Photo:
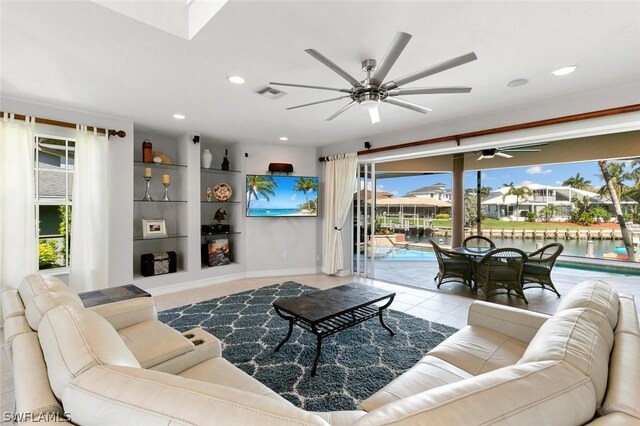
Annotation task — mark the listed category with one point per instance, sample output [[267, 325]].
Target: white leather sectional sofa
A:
[[116, 364]]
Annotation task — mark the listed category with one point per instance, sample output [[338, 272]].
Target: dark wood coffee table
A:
[[327, 312]]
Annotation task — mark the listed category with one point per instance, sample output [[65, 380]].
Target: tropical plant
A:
[[578, 182], [442, 216], [531, 217], [580, 206], [470, 210], [305, 185], [519, 192], [611, 182], [263, 185], [47, 254], [601, 212], [548, 212]]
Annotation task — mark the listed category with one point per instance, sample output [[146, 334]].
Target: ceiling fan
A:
[[504, 152], [371, 91]]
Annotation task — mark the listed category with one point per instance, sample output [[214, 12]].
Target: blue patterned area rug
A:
[[354, 364]]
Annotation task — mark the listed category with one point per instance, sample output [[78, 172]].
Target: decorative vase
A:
[[207, 156], [147, 151], [225, 162]]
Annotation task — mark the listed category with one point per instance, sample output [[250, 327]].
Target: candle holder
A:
[[147, 195], [166, 192]]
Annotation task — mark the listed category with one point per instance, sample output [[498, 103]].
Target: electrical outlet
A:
[[284, 253]]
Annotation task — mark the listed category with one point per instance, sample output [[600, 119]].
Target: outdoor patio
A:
[[421, 273]]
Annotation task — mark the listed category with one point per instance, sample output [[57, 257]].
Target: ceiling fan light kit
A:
[[371, 91]]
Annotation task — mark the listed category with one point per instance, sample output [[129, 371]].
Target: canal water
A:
[[571, 247]]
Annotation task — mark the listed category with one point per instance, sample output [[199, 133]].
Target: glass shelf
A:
[[159, 165], [219, 202], [159, 201], [168, 237], [205, 267], [212, 170], [221, 233]]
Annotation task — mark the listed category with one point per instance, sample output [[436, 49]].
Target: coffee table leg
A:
[[382, 308], [318, 349], [288, 335]]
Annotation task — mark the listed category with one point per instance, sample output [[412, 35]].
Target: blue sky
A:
[[286, 197], [553, 174]]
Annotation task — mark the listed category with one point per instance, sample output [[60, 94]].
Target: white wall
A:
[[267, 238], [120, 177]]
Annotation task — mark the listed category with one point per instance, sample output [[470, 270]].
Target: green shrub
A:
[[443, 216], [47, 255], [531, 217]]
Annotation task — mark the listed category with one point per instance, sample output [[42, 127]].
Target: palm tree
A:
[[305, 185], [519, 192], [549, 211], [611, 186], [262, 185], [577, 182]]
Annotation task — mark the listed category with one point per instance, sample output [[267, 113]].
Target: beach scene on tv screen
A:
[[269, 196]]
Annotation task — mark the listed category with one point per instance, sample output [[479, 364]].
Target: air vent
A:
[[270, 92]]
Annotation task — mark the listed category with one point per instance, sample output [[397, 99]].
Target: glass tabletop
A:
[[472, 251]]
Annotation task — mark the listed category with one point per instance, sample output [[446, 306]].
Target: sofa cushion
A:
[[582, 337], [11, 303], [34, 284], [430, 372], [340, 418], [44, 302], [478, 350], [594, 294], [32, 390], [15, 326], [514, 395], [627, 316], [623, 389], [153, 342], [74, 339], [615, 419], [219, 371], [115, 395]]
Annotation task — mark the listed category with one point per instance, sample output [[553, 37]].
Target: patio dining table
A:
[[472, 252]]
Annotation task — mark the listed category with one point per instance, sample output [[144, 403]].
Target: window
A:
[[53, 177]]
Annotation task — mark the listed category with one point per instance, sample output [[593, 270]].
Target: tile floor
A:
[[446, 306]]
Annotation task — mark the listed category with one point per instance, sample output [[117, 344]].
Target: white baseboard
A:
[[282, 272], [174, 288]]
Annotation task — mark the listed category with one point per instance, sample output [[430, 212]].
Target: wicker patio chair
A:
[[536, 272], [452, 267], [478, 241], [500, 271]]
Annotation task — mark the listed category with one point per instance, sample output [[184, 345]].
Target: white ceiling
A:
[[80, 55]]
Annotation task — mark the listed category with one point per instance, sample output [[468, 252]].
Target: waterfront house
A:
[[499, 205], [438, 191]]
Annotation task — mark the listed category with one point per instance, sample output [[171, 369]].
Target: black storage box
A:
[[158, 263], [216, 228]]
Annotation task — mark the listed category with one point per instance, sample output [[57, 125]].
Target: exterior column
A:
[[457, 201]]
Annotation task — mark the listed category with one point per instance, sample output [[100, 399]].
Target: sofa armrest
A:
[[11, 303], [513, 322], [128, 312]]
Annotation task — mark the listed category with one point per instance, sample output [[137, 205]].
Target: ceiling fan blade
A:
[[503, 155], [521, 150], [428, 91], [451, 63], [374, 114], [326, 61], [480, 158], [406, 104], [397, 46], [305, 86], [341, 110], [318, 102]]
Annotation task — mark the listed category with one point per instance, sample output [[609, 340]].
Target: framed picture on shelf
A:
[[216, 252], [154, 228]]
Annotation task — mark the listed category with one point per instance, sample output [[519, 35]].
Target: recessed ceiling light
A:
[[517, 82], [284, 138], [179, 116], [235, 79], [565, 70]]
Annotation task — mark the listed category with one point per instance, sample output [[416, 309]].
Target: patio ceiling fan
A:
[[369, 92], [504, 152]]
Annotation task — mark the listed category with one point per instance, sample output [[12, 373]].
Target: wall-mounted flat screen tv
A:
[[282, 196]]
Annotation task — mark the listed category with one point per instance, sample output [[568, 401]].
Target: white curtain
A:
[[18, 252], [90, 217], [340, 179]]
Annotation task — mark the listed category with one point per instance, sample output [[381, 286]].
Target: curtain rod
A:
[[118, 133], [504, 129]]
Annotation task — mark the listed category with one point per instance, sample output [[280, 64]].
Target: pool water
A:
[[393, 254]]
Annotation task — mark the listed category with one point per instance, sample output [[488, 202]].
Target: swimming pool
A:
[[395, 254]]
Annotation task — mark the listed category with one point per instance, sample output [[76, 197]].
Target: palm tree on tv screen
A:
[[305, 185], [263, 185]]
